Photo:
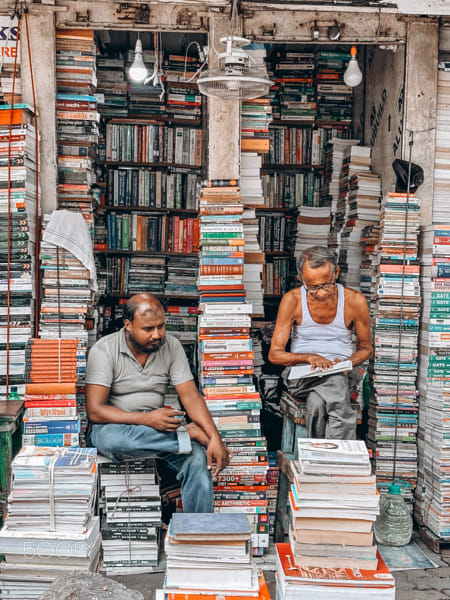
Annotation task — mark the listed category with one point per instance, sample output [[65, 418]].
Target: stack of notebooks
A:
[[112, 88], [77, 120], [393, 406], [51, 417], [50, 529], [208, 555], [434, 379], [17, 237], [334, 97], [333, 504], [130, 505]]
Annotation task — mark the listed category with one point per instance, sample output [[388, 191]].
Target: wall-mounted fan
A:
[[234, 79]]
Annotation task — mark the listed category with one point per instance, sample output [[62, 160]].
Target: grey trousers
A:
[[329, 413]]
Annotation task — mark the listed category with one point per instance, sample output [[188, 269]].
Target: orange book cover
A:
[[229, 356], [139, 232], [50, 388], [221, 269]]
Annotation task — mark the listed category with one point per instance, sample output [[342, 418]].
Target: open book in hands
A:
[[305, 370]]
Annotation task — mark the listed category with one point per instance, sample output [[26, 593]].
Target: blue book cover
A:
[[56, 439], [214, 526]]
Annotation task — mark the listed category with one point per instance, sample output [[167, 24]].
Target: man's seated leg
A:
[[316, 415], [195, 478], [341, 416], [119, 442]]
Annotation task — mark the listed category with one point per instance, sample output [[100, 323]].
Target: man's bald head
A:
[[142, 304]]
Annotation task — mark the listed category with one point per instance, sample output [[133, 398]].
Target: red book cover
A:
[[176, 233]]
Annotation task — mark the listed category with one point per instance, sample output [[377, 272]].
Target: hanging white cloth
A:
[[69, 230]]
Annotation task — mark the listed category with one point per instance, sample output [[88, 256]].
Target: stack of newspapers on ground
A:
[[50, 528], [210, 555], [333, 503], [130, 515]]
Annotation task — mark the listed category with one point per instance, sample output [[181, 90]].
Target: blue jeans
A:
[[120, 442]]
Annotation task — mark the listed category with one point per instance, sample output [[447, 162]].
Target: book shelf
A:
[[146, 236]]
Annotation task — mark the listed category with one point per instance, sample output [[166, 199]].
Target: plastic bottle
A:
[[13, 394], [393, 526]]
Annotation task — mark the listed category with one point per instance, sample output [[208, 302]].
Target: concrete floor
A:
[[416, 584]]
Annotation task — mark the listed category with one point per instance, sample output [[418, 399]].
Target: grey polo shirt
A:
[[134, 387]]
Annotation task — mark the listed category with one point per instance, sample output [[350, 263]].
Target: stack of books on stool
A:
[[210, 555], [333, 503], [130, 504]]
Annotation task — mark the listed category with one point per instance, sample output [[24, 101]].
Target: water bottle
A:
[[13, 394], [393, 526]]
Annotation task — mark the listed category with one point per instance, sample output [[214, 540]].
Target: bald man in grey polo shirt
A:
[[126, 381]]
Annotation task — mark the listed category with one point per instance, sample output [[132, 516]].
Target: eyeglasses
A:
[[313, 289]]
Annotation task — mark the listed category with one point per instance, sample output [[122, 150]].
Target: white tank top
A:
[[332, 340]]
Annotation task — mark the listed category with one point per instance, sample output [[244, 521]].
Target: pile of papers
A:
[[50, 528]]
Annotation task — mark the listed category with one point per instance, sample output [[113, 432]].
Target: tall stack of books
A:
[[51, 507], [434, 380], [130, 505], [77, 120], [226, 360], [334, 157], [112, 88], [441, 183], [50, 417], [17, 242], [210, 555], [334, 98], [364, 198], [393, 407], [334, 502]]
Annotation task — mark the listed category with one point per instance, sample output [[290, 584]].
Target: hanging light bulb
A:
[[353, 75], [138, 71]]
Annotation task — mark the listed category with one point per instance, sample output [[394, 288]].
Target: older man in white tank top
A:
[[318, 318]]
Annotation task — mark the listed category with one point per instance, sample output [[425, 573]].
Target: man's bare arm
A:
[[361, 321], [197, 410], [99, 411], [277, 353]]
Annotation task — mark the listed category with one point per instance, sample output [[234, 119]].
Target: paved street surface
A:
[[416, 584]]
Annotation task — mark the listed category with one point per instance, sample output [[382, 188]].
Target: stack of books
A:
[[434, 379], [226, 378], [130, 506], [370, 236], [50, 528], [255, 118], [210, 554], [181, 276], [51, 417], [393, 407], [313, 226], [254, 261], [333, 481], [364, 210], [112, 88], [295, 86], [182, 322], [325, 582], [17, 242], [334, 98], [77, 120], [441, 183], [183, 100], [335, 152], [273, 476], [333, 503], [144, 99]]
